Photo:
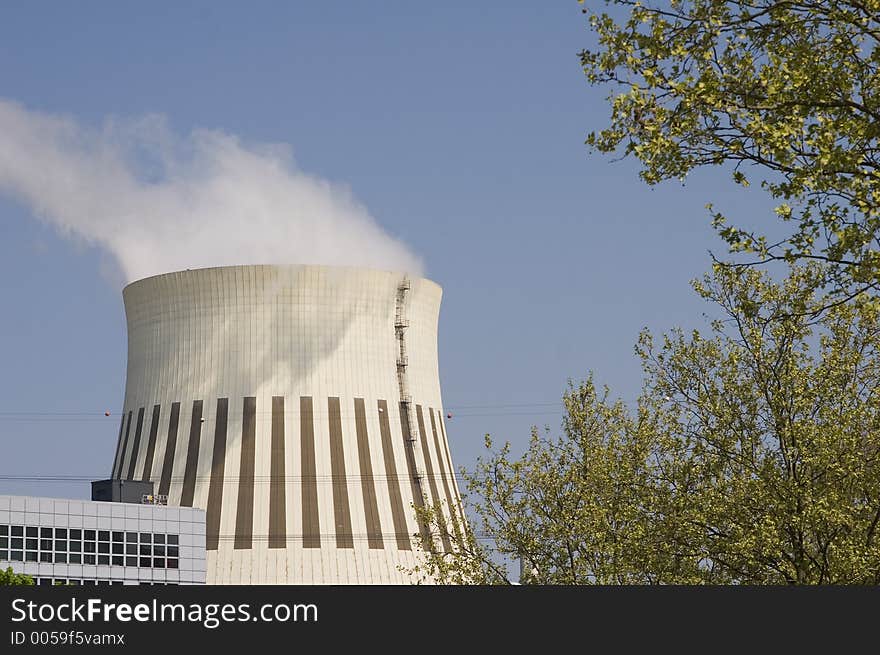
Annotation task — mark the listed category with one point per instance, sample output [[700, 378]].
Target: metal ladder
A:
[[401, 323]]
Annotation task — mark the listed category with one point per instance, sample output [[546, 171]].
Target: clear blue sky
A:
[[460, 125]]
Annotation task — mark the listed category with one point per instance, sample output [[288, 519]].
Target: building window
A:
[[77, 546]]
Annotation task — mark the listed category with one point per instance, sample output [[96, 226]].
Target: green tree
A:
[[572, 508], [10, 577], [751, 456], [786, 92]]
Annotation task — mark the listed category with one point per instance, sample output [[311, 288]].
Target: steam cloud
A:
[[158, 203]]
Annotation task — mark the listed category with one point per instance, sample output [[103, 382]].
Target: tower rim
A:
[[286, 267]]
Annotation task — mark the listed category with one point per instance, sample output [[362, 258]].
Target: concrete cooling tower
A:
[[300, 407]]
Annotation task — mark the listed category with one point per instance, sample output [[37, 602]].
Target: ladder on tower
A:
[[401, 323]]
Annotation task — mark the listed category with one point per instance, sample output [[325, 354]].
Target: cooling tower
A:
[[300, 407]]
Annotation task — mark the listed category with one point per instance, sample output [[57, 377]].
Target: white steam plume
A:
[[160, 203]]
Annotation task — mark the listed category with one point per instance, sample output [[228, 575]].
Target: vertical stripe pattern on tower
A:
[[341, 510], [277, 505], [151, 445], [311, 523], [432, 481], [218, 469], [397, 516], [375, 491], [118, 472], [170, 447], [454, 484], [415, 483], [450, 507], [368, 485], [192, 455], [136, 445], [244, 516]]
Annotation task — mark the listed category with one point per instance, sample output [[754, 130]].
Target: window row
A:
[[59, 546], [77, 558], [74, 581], [88, 535]]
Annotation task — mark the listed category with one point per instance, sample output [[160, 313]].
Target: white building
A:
[[300, 406], [84, 542]]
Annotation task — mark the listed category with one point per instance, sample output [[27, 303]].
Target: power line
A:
[[42, 413], [54, 418], [101, 413], [539, 404]]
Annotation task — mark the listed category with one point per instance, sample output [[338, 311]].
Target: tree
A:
[[10, 577], [751, 456], [783, 91], [571, 508]]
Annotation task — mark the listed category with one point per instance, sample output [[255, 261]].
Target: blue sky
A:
[[459, 125]]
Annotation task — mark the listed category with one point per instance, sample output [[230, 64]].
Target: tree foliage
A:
[[785, 91], [752, 456], [10, 577]]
